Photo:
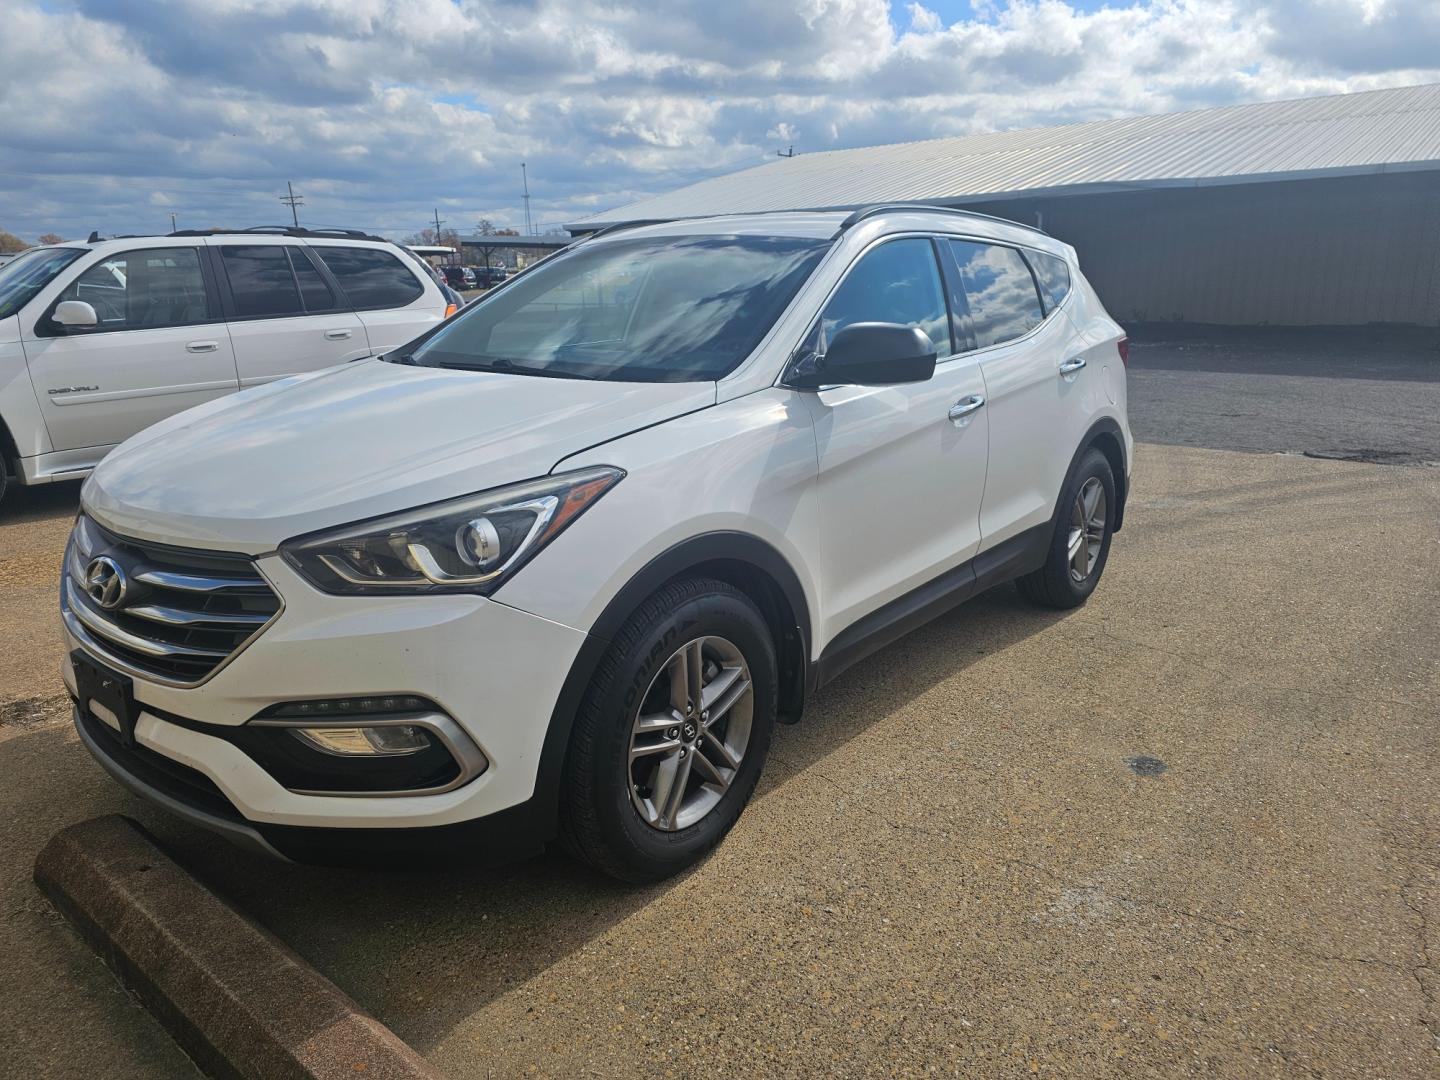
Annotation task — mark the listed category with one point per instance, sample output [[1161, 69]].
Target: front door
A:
[[901, 468], [160, 346]]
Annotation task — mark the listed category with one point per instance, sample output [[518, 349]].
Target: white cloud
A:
[[922, 19], [381, 111]]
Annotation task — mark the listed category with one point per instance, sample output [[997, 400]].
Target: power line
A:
[[292, 200]]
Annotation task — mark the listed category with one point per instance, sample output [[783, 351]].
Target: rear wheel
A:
[[1080, 544], [672, 734]]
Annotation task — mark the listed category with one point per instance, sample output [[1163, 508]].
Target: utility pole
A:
[[173, 226], [525, 179], [786, 153], [292, 200], [438, 222]]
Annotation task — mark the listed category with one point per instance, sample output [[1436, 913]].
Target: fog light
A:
[[391, 740]]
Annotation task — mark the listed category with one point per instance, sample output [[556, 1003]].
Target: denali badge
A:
[[105, 582]]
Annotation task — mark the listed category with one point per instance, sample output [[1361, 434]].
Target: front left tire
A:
[[671, 736]]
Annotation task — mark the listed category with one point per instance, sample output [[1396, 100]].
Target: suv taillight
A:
[[1124, 346]]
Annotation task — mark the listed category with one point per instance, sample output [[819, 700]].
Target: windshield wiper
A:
[[506, 366]]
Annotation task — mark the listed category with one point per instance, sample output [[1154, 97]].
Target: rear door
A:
[[1030, 397], [284, 312], [394, 304], [160, 346]]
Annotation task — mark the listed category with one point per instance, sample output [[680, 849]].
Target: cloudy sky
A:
[[114, 113]]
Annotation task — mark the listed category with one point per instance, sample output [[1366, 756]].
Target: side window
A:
[[1053, 276], [261, 280], [897, 282], [145, 290], [1000, 291], [371, 278], [314, 292]]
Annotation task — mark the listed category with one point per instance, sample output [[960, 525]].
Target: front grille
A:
[[181, 613]]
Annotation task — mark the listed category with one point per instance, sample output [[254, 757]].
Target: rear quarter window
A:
[[1053, 276], [371, 278]]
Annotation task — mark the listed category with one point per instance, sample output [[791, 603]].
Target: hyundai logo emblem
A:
[[105, 582]]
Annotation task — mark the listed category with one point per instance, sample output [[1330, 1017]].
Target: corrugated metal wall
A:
[[1342, 251]]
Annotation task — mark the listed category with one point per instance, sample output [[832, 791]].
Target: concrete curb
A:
[[240, 1002]]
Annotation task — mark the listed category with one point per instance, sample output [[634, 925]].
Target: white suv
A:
[[100, 340], [558, 567]]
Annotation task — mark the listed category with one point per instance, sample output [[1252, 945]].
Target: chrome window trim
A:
[[971, 354]]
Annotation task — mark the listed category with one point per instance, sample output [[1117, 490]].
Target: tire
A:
[[614, 811], [1058, 584]]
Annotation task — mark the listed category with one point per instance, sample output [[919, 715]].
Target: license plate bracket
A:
[[110, 690]]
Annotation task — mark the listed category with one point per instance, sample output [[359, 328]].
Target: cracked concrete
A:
[[951, 868]]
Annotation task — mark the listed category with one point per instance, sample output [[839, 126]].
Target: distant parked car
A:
[[458, 277], [101, 339], [487, 277]]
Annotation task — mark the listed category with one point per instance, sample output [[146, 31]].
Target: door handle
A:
[[202, 346], [966, 405], [337, 335], [1074, 364]]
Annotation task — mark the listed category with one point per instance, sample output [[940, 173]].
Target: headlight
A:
[[470, 544]]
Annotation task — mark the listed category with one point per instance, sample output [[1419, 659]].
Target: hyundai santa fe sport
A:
[[557, 568]]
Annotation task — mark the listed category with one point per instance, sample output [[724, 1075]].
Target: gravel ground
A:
[[1190, 829], [954, 864]]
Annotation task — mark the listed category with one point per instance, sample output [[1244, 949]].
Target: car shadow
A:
[[22, 504], [425, 950]]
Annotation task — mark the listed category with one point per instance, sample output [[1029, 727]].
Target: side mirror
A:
[[877, 354], [75, 313]]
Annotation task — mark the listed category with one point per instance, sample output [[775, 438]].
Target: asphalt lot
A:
[[1353, 394], [952, 865]]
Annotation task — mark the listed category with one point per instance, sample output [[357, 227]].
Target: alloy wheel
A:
[[690, 733], [1087, 528]]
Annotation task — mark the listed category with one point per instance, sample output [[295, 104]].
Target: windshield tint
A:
[[21, 278], [658, 309]]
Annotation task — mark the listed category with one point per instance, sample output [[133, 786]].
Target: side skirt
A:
[[1004, 562]]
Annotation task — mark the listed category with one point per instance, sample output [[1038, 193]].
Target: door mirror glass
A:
[[877, 354], [75, 313]]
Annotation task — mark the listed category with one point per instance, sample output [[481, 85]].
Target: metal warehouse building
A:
[[1316, 212]]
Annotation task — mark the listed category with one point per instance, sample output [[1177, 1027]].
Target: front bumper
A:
[[496, 671]]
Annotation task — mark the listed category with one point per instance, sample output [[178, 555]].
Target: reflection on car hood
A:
[[248, 471]]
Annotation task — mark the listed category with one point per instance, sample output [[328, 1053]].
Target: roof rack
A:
[[282, 230], [886, 208]]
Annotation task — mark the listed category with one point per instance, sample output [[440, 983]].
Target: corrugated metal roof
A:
[[1375, 131]]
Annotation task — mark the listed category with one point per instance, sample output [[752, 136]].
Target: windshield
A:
[[658, 309], [21, 278]]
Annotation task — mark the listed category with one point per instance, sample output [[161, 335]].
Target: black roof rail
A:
[[889, 208], [621, 226]]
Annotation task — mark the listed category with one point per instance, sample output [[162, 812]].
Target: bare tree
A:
[[10, 243], [50, 238], [486, 227]]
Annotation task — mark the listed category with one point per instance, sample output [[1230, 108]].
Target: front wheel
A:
[[670, 739], [1081, 541]]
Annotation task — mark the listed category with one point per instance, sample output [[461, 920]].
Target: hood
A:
[[247, 471]]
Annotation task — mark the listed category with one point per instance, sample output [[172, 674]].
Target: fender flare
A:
[[1106, 425], [734, 547]]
